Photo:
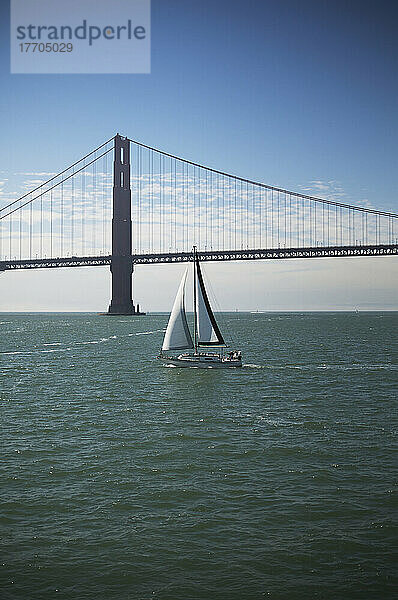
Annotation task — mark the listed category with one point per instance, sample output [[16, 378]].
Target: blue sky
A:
[[284, 92]]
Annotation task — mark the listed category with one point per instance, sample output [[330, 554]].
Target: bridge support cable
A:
[[60, 217], [218, 211], [175, 204]]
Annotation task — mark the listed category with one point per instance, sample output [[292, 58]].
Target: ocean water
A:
[[122, 479]]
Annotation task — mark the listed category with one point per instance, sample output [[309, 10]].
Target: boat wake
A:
[[101, 341], [144, 333]]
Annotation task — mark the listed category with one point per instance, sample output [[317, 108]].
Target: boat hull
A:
[[202, 362]]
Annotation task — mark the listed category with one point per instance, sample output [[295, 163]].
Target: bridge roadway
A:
[[206, 255]]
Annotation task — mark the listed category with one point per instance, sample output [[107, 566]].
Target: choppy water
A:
[[122, 479]]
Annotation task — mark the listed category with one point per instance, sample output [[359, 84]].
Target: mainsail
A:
[[178, 336], [208, 333]]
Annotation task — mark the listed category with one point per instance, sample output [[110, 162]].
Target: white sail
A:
[[178, 336], [208, 333]]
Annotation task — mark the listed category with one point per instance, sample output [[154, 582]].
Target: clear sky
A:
[[284, 92]]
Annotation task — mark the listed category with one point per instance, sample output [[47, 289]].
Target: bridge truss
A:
[[177, 257]]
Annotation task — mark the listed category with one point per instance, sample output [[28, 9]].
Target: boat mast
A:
[[195, 335]]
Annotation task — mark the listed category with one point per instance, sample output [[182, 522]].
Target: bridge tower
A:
[[121, 265]]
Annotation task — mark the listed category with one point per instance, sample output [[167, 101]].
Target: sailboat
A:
[[206, 333]]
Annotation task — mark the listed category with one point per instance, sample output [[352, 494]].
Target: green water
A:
[[122, 479]]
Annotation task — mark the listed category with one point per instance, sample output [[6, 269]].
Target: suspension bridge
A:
[[126, 203]]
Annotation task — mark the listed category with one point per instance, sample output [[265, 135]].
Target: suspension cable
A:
[[58, 175], [264, 185], [52, 187]]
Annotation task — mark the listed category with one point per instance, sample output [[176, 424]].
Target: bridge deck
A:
[[207, 255]]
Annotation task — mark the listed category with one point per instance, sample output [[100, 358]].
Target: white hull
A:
[[202, 361]]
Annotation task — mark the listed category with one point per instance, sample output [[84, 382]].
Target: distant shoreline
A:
[[232, 312]]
